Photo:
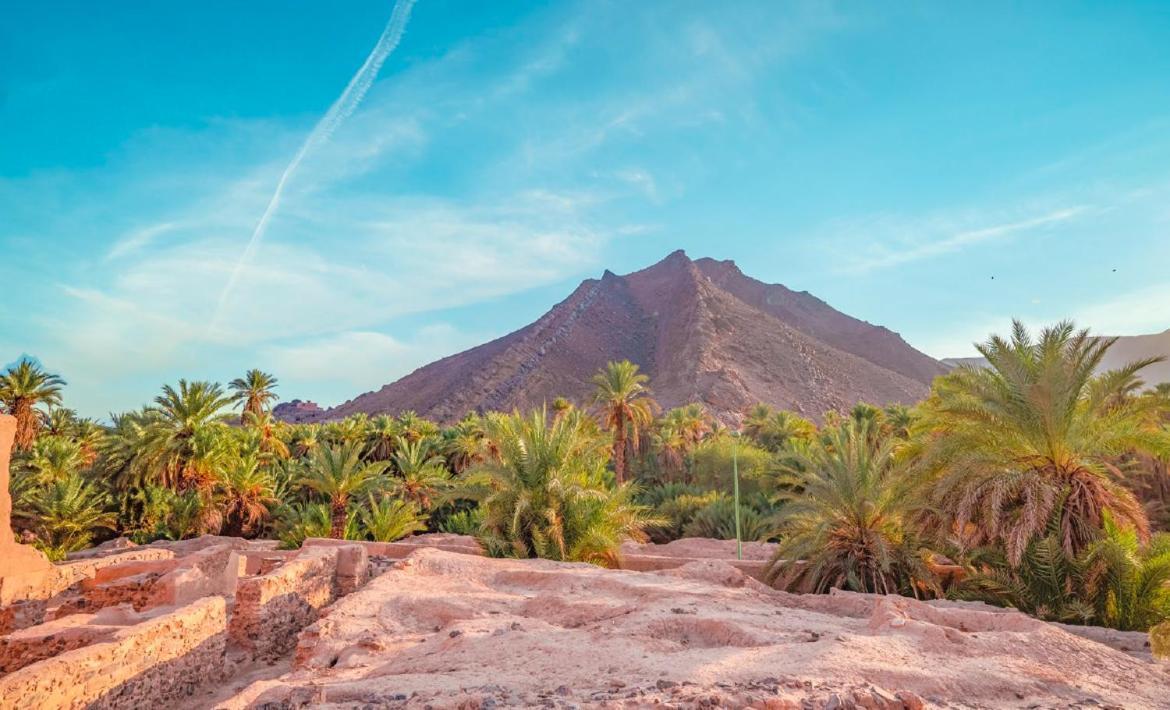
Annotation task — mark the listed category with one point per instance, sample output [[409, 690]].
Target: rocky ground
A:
[[445, 630]]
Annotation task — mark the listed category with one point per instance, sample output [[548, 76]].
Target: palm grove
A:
[[1038, 482]]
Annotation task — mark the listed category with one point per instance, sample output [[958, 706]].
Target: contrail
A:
[[341, 109]]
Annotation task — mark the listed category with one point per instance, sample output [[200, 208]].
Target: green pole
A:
[[735, 477]]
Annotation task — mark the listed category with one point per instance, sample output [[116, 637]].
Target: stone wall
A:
[[271, 609], [150, 583], [26, 573], [157, 661]]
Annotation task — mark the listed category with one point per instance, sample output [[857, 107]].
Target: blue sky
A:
[[891, 160]]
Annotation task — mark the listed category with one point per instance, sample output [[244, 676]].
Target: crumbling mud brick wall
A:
[[272, 609], [157, 661]]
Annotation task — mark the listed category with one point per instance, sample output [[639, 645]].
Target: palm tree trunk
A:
[[337, 519], [26, 424], [619, 449]]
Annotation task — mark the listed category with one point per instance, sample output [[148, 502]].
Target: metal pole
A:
[[735, 476]]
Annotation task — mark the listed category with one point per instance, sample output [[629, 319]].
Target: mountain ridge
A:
[[701, 329]]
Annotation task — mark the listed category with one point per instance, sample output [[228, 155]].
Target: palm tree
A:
[[466, 443], [184, 445], [384, 434], [338, 473], [247, 494], [387, 519], [546, 496], [414, 428], [852, 525], [304, 440], [255, 391], [774, 429], [266, 430], [1037, 432], [54, 458], [68, 511], [24, 387], [1116, 582], [421, 473], [625, 407]]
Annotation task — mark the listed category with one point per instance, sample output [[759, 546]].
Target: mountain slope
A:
[[700, 329]]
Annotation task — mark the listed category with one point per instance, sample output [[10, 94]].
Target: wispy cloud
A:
[[934, 237]]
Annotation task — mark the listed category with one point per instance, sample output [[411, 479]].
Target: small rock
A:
[[663, 684], [455, 632]]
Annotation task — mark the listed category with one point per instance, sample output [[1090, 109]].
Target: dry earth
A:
[[446, 630]]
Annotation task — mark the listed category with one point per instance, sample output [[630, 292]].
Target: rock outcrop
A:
[[449, 630]]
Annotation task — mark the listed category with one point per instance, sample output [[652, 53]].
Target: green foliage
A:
[[716, 519], [1116, 582], [68, 511], [546, 495], [387, 519], [464, 522], [712, 467], [851, 525], [1034, 430]]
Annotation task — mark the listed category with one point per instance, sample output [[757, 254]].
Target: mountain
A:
[[1127, 349], [702, 331]]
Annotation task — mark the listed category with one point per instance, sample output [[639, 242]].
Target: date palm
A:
[[68, 512], [545, 496], [255, 390], [266, 429], [1037, 432], [184, 445], [625, 408], [851, 527], [339, 473], [387, 519], [383, 437], [775, 429], [421, 473], [23, 388], [53, 458], [247, 495]]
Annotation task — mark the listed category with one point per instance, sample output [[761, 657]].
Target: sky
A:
[[937, 168]]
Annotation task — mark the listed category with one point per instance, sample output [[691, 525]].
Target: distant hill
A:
[[1128, 348], [703, 332]]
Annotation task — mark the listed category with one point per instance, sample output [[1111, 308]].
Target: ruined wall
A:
[[150, 583], [156, 661], [271, 609], [26, 573]]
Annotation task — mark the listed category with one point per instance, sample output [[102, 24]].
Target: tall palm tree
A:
[[624, 404], [421, 473], [851, 527], [1038, 431], [339, 473], [545, 496], [255, 390], [24, 387]]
